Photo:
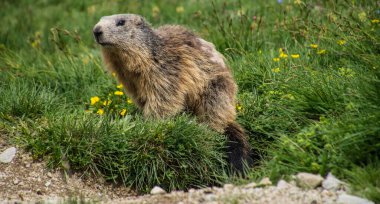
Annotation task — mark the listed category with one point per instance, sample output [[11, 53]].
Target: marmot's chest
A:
[[143, 87]]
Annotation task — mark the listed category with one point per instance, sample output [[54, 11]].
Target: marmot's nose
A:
[[97, 31]]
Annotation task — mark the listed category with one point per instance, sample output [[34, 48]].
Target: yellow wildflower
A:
[[283, 55], [36, 43], [239, 107], [107, 102], [118, 93], [180, 9], [315, 166], [94, 100], [332, 17], [347, 72], [276, 59], [280, 50], [155, 11], [375, 21], [298, 2], [85, 60], [288, 96], [113, 74], [100, 112], [341, 42], [362, 16], [129, 101], [321, 52], [240, 12], [120, 86], [36, 40], [276, 70], [123, 112], [314, 46], [91, 9], [295, 56]]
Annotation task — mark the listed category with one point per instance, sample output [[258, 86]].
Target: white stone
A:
[[309, 181], [251, 185], [157, 190], [265, 182], [283, 184], [16, 181], [8, 155], [331, 183], [47, 184], [49, 175], [349, 199], [228, 186], [210, 197]]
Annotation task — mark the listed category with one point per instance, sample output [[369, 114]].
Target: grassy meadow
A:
[[309, 92]]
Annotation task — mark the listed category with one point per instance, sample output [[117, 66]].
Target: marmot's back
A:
[[179, 38]]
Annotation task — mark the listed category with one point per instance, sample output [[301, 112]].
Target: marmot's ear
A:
[[140, 21]]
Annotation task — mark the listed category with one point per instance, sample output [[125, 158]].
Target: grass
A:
[[309, 92]]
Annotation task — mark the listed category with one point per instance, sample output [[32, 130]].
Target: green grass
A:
[[316, 113]]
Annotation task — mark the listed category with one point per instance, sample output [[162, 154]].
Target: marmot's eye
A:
[[120, 22]]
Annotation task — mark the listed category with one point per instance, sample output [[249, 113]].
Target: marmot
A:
[[169, 70]]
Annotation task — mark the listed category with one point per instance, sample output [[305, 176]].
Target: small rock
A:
[[293, 183], [47, 184], [49, 175], [39, 191], [27, 165], [349, 199], [309, 181], [207, 190], [332, 183], [157, 190], [210, 197], [283, 184], [16, 181], [327, 193], [265, 182], [228, 186], [251, 185], [8, 155]]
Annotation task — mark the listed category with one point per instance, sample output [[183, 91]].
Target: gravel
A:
[[25, 180]]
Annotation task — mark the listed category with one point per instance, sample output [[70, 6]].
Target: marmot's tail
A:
[[238, 149]]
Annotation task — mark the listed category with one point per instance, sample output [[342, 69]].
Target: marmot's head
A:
[[123, 31]]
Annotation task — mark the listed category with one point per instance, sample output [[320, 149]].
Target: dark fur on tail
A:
[[238, 149]]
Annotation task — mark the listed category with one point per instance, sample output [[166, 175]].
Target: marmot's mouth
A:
[[102, 43], [105, 44]]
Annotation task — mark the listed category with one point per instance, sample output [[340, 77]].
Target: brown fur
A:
[[169, 70]]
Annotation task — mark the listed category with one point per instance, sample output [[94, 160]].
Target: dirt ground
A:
[[26, 180]]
